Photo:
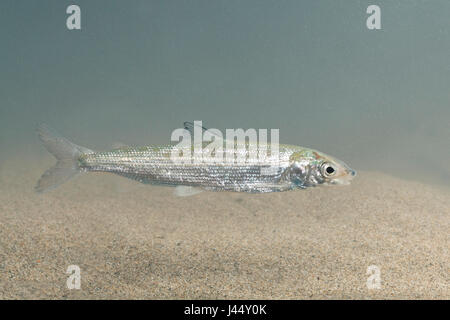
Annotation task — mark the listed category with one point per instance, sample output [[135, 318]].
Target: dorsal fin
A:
[[189, 126]]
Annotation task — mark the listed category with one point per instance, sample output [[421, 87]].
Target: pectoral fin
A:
[[186, 191]]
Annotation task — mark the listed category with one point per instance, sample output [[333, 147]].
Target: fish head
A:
[[312, 168]]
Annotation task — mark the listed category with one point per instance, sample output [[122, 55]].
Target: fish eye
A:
[[328, 170]]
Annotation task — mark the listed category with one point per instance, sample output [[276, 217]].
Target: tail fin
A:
[[67, 154]]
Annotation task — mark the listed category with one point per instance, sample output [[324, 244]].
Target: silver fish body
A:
[[154, 165], [295, 167]]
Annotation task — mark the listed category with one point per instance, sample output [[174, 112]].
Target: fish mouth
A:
[[345, 179], [350, 175], [347, 172]]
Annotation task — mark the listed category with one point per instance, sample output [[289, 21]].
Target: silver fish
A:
[[295, 168]]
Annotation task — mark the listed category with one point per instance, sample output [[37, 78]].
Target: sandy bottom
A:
[[136, 241]]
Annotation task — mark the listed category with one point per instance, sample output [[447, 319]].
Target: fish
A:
[[295, 167]]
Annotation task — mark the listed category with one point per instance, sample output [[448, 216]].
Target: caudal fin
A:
[[67, 154]]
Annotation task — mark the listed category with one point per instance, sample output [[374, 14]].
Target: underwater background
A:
[[377, 99]]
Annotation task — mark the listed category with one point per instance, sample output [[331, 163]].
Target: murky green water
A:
[[378, 99]]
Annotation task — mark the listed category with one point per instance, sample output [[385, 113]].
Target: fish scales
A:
[[154, 165], [247, 169]]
